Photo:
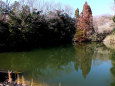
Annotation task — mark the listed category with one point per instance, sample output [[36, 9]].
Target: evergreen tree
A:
[[84, 24]]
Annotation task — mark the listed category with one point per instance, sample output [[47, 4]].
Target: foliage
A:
[[77, 13], [62, 28], [98, 37], [4, 32], [80, 36], [114, 18], [83, 58], [84, 24], [26, 29]]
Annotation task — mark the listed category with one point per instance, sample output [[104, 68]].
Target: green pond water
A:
[[70, 65]]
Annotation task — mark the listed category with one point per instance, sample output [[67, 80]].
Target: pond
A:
[[70, 65]]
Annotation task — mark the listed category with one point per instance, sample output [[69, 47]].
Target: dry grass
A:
[[109, 41]]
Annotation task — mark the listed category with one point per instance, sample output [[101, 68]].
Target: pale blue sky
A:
[[99, 7]]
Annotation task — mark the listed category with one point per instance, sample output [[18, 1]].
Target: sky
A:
[[99, 7]]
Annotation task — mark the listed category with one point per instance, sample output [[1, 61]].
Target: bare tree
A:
[[7, 4], [69, 10], [58, 6], [49, 7], [32, 4], [46, 6], [40, 5], [2, 5], [22, 2]]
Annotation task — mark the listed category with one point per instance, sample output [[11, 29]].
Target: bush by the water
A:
[[24, 28], [32, 29]]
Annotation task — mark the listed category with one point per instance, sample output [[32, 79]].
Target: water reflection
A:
[[88, 54], [5, 76], [112, 57], [113, 67], [39, 64], [65, 65], [83, 58]]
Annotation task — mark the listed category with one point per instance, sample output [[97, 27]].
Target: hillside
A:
[[103, 23]]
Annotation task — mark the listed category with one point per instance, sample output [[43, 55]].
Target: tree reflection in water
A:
[[39, 64], [50, 65], [87, 54], [83, 58], [112, 56]]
